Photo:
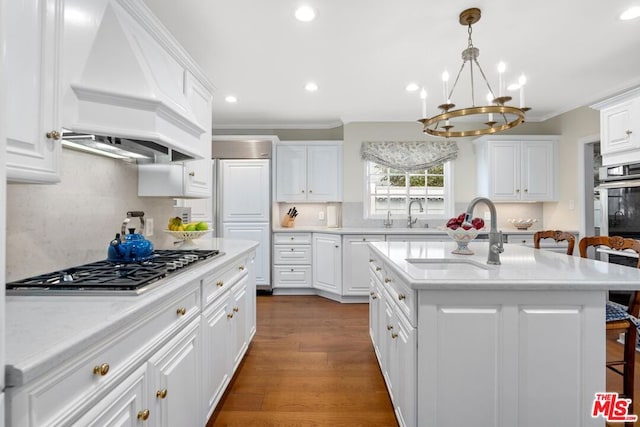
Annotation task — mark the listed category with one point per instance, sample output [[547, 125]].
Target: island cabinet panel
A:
[[508, 354]]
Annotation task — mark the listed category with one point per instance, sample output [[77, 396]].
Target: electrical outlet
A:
[[321, 215], [148, 227]]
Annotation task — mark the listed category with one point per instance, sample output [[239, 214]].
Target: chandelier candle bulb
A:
[[489, 101], [445, 84], [423, 97]]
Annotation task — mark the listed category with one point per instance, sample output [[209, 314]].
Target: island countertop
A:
[[432, 266]]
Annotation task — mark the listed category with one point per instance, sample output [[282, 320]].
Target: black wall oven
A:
[[620, 197]]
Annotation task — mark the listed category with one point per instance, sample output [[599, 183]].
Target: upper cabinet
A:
[[517, 168], [31, 90], [620, 128], [309, 171], [188, 179]]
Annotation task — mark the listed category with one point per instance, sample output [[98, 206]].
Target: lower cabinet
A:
[[327, 263], [228, 326], [355, 263]]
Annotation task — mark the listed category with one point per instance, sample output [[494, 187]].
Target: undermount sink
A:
[[447, 264]]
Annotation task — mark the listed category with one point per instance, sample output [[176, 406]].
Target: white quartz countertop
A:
[[391, 230], [432, 266], [43, 331]]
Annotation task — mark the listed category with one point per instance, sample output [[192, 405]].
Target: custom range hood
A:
[[138, 87]]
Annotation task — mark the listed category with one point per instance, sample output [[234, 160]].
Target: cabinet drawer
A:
[[83, 379], [220, 280], [292, 238], [292, 254], [405, 298], [292, 276]]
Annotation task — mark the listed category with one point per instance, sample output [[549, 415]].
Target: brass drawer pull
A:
[[401, 297], [143, 415], [236, 309], [387, 280], [394, 335], [161, 394], [101, 370], [181, 311], [389, 327], [241, 268], [192, 173], [374, 296], [378, 268], [230, 316], [219, 283], [370, 260]]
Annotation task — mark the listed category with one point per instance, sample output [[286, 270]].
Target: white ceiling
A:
[[362, 54]]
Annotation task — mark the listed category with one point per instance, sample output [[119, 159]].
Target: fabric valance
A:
[[409, 156]]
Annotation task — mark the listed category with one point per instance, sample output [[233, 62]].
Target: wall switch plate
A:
[[148, 227], [321, 215]]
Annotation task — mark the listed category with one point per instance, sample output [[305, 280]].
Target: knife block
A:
[[288, 222]]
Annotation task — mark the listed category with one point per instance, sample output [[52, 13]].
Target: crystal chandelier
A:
[[506, 117]]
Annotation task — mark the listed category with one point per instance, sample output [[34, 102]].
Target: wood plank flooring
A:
[[311, 363]]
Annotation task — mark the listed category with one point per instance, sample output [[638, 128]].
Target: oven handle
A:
[[620, 184]]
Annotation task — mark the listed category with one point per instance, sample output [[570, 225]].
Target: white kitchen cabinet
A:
[[309, 171], [327, 263], [228, 326], [174, 380], [261, 233], [33, 35], [181, 180], [125, 406], [237, 179], [355, 263], [517, 168], [292, 261], [620, 128]]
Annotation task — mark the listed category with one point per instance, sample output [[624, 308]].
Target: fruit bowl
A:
[[522, 224], [462, 237], [187, 237]]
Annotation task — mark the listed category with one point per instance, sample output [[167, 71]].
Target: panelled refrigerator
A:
[[242, 195]]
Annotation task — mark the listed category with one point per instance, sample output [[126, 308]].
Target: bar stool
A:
[[617, 318], [556, 235]]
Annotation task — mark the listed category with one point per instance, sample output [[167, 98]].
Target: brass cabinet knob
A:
[[374, 296], [293, 238], [143, 415], [302, 191], [394, 335], [310, 191], [629, 132], [181, 311], [192, 173], [101, 370], [389, 327], [517, 190], [236, 309], [54, 134], [161, 394], [364, 239], [378, 268], [526, 190], [387, 280], [230, 316], [241, 268], [292, 249], [401, 297], [219, 283], [370, 260]]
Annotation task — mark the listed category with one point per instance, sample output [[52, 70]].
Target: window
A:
[[389, 190]]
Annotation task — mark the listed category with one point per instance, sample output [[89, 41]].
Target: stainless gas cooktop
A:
[[106, 278]]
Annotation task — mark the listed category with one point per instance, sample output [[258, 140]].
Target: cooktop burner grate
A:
[[107, 276]]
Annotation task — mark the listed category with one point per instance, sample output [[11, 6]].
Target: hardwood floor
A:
[[614, 381], [311, 363]]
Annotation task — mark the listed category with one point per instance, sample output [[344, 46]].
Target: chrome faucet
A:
[[410, 222], [495, 237]]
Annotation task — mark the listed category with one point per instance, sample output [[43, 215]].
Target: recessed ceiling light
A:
[[311, 87], [631, 13], [231, 99], [412, 87], [305, 14]]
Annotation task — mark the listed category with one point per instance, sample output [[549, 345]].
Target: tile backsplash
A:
[[50, 227]]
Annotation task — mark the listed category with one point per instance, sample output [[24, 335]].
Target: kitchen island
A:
[[517, 344]]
